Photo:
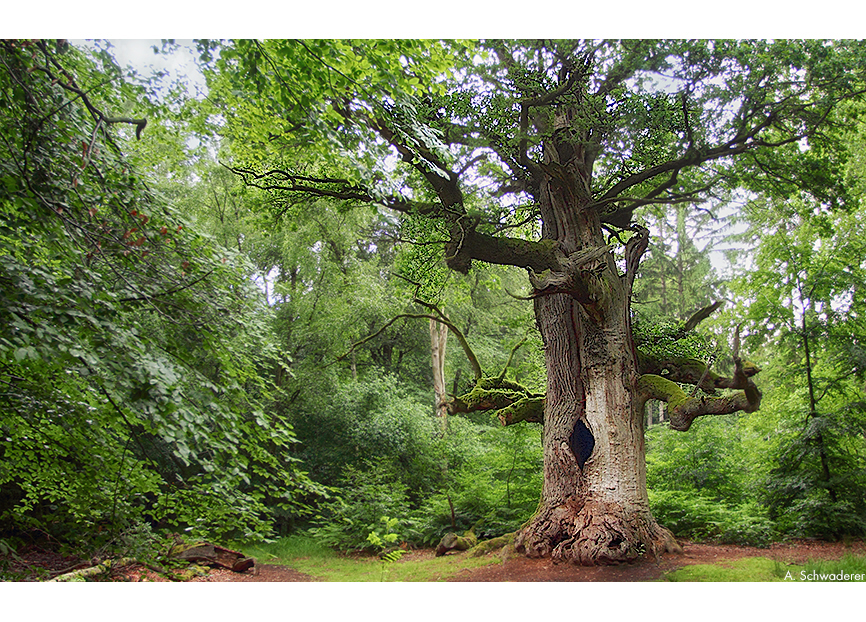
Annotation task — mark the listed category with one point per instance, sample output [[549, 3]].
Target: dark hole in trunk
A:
[[581, 442]]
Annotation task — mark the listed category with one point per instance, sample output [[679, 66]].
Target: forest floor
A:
[[40, 565], [543, 570]]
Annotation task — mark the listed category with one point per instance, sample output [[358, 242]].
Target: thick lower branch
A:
[[683, 409], [467, 244], [688, 370], [510, 401]]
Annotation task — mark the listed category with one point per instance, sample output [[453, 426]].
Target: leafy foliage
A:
[[172, 326], [808, 272], [697, 517], [130, 345]]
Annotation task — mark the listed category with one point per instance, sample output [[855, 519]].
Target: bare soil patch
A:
[[525, 569]]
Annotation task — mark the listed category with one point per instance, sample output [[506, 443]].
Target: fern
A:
[[383, 542]]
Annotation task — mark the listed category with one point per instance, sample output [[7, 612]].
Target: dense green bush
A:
[[348, 423], [478, 474], [364, 495], [711, 459], [691, 515], [494, 476], [706, 484], [130, 346], [805, 499]]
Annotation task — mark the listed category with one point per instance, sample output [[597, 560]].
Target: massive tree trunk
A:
[[594, 506]]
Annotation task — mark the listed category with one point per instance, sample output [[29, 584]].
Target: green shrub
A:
[[817, 516], [691, 515], [497, 481], [364, 496]]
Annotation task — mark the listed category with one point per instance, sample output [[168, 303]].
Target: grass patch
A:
[[762, 570], [283, 550], [753, 569], [305, 554]]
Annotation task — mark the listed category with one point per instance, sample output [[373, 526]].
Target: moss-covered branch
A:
[[510, 402], [528, 409], [689, 370], [684, 408]]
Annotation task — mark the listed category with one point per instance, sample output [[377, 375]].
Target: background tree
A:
[[676, 277], [803, 296]]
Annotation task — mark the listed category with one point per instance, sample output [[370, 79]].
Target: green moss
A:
[[494, 544], [485, 399], [530, 409], [493, 383], [750, 369], [499, 394], [653, 387]]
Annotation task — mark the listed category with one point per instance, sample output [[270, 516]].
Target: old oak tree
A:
[[536, 154]]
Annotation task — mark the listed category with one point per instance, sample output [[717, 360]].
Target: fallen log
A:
[[212, 555], [91, 571]]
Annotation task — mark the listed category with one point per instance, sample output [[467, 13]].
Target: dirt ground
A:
[[41, 565], [542, 570]]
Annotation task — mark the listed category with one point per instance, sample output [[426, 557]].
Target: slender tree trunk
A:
[[681, 242], [813, 408], [663, 267], [438, 341]]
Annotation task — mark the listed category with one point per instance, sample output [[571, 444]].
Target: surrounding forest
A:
[[589, 296]]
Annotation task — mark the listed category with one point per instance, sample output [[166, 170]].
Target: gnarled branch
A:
[[683, 409]]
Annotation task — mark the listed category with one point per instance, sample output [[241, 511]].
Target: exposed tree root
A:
[[595, 534]]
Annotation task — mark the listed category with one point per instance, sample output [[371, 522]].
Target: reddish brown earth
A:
[[40, 565], [539, 570], [524, 569]]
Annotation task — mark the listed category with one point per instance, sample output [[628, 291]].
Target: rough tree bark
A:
[[594, 506]]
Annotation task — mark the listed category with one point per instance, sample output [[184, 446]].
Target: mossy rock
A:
[[191, 572], [494, 544], [453, 542]]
